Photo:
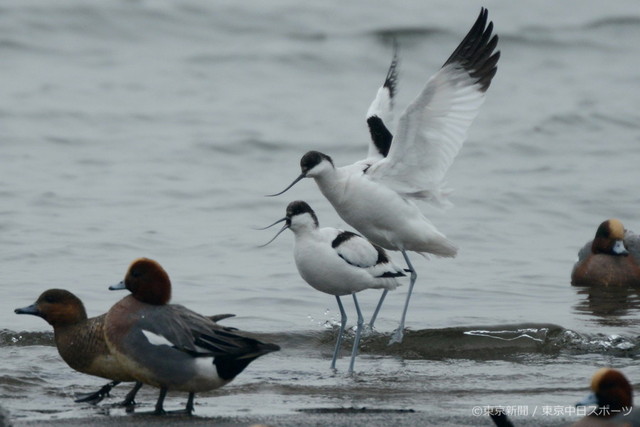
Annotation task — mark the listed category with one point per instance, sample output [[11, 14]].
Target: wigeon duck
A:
[[605, 261], [169, 346], [338, 263], [612, 395], [80, 341]]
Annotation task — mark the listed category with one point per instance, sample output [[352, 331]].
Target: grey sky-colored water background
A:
[[140, 128]]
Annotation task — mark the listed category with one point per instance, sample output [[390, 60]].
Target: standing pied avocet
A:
[[338, 263]]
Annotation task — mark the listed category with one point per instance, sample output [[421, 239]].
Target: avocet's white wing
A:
[[433, 128], [355, 249], [380, 113], [359, 252]]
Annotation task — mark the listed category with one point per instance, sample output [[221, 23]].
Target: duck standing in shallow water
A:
[[169, 346], [377, 195], [338, 263], [80, 341], [605, 261]]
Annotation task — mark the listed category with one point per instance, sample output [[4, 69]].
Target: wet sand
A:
[[334, 418]]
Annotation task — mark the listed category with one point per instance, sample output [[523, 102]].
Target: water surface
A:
[[133, 128]]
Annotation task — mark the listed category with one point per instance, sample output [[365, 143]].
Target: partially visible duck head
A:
[[609, 239], [147, 281], [58, 307], [611, 391]]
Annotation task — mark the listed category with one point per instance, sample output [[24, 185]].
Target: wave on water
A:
[[23, 339], [387, 35], [468, 342], [584, 122], [615, 21], [501, 342]]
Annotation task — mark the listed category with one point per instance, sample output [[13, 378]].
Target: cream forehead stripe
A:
[[616, 228], [597, 377]]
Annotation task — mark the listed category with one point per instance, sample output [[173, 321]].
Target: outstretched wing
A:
[[433, 128], [380, 113]]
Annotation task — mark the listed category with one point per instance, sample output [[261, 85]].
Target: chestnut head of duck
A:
[[147, 281], [609, 239], [610, 390], [58, 307]]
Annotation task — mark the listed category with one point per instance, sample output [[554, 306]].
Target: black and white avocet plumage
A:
[[377, 197], [380, 113], [338, 263]]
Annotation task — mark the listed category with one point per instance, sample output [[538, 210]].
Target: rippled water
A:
[[134, 128]]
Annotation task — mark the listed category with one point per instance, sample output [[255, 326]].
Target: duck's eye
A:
[[49, 299]]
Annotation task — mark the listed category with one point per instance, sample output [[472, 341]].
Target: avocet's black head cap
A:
[[307, 162], [298, 208], [312, 159]]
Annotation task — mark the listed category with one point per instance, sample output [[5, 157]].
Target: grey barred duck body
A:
[[169, 346]]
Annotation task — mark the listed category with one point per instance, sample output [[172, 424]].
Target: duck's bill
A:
[[278, 233], [32, 309], [118, 286], [619, 249], [295, 181], [589, 400]]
